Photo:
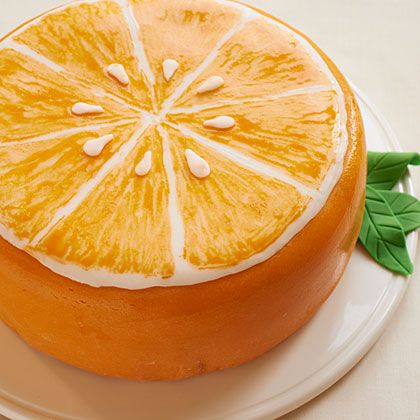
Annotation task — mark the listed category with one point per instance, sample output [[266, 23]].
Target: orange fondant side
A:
[[177, 332]]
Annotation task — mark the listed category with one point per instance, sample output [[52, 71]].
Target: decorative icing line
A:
[[232, 102], [29, 52], [246, 161], [117, 71], [211, 84], [145, 165], [68, 132], [197, 165], [88, 187], [182, 268], [220, 123], [94, 147], [169, 67], [82, 108], [142, 59]]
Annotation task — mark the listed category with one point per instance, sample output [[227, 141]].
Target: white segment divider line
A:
[[68, 132], [142, 60], [190, 78], [115, 98], [88, 187], [331, 178], [246, 161], [29, 52], [289, 93], [177, 222]]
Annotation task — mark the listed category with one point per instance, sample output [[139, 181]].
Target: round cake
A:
[[182, 184]]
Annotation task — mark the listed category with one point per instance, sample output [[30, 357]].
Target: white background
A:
[[376, 43]]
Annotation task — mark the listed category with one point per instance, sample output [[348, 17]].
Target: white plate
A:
[[36, 386]]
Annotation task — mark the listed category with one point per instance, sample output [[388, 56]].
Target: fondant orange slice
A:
[[154, 143]]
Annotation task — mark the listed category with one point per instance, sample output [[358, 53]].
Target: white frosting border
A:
[[186, 274]]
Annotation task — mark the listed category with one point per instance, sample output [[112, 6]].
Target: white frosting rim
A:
[[185, 274]]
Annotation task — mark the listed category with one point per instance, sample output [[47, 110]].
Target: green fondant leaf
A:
[[385, 169], [383, 236], [405, 207]]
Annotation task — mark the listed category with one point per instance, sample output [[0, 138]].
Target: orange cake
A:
[[181, 182]]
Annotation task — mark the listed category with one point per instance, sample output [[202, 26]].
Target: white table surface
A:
[[376, 44]]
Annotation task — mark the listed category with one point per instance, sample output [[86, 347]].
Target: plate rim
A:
[[332, 371]]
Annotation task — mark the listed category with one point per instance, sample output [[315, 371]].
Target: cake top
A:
[[159, 143]]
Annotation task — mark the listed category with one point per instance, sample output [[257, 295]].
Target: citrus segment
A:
[[261, 59], [134, 235], [298, 134], [232, 214], [35, 100], [86, 39], [36, 179], [185, 31]]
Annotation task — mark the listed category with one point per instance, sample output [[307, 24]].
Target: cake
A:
[[182, 184]]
